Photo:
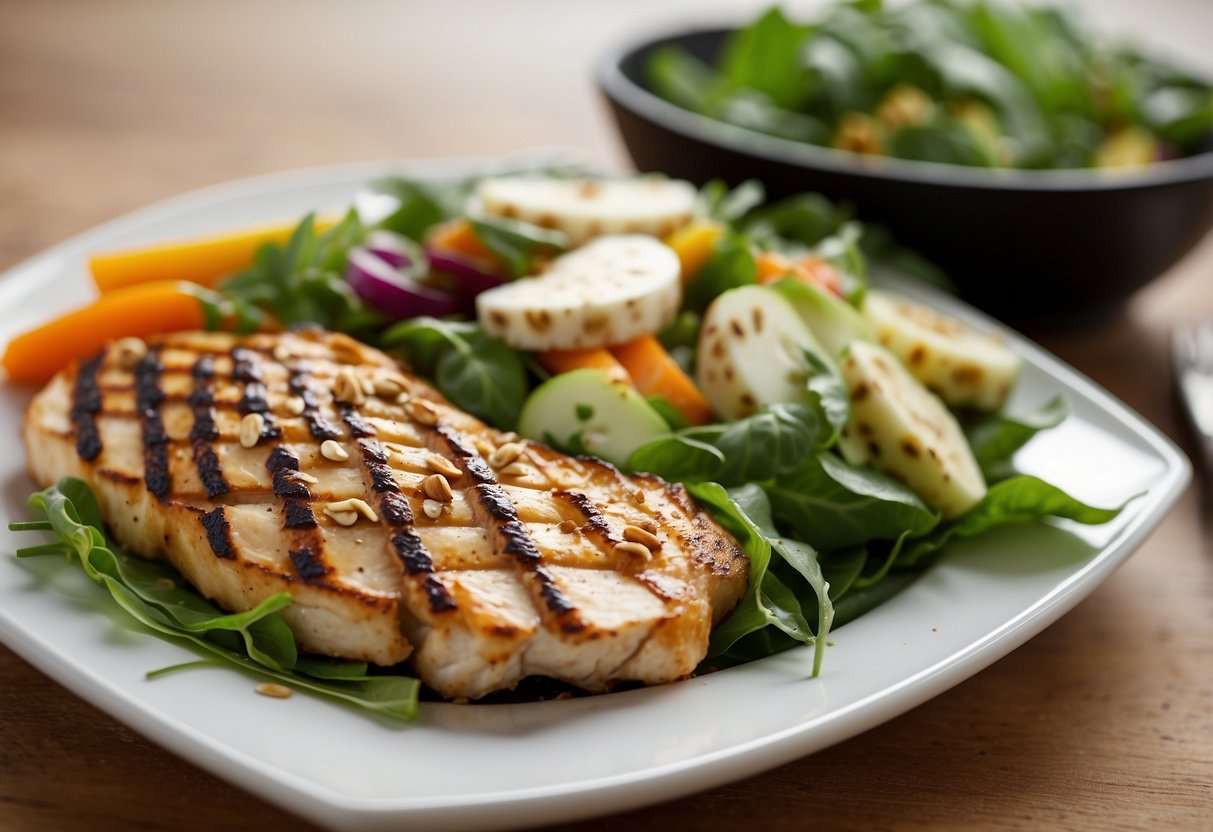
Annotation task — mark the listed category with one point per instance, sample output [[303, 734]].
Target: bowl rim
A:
[[639, 100]]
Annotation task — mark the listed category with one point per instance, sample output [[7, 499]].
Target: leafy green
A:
[[718, 202], [517, 244], [771, 442], [476, 371], [422, 205], [828, 396], [257, 640], [832, 505], [731, 265], [768, 601], [303, 281], [1020, 499], [764, 56], [995, 437]]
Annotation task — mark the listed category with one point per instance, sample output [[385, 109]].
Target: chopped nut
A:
[[128, 352], [354, 506], [368, 385], [403, 398], [515, 469], [432, 509], [485, 447], [283, 354], [567, 526], [390, 387], [251, 428], [423, 412], [436, 487], [304, 476], [509, 437], [633, 550], [273, 690], [347, 388], [343, 518], [648, 525], [442, 465], [506, 454], [345, 349], [331, 450], [295, 406], [635, 534], [638, 497]]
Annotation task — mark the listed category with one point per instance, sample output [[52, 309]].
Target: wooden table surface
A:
[[1105, 721]]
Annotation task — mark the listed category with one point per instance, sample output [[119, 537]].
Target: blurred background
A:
[[135, 100]]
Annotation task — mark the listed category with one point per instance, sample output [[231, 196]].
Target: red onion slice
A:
[[393, 291]]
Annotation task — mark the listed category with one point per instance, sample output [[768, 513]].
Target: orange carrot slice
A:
[[145, 309], [655, 373], [458, 236], [824, 275], [204, 260], [594, 358]]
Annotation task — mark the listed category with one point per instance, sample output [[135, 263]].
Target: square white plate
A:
[[469, 767]]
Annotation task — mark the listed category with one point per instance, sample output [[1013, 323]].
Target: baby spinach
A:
[[995, 437], [517, 244], [476, 371], [731, 265], [421, 205], [257, 640]]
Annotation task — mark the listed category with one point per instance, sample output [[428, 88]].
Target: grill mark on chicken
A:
[[148, 397], [297, 513], [594, 524], [86, 403], [203, 431], [397, 514], [320, 427], [246, 369], [511, 535], [354, 421], [218, 533]]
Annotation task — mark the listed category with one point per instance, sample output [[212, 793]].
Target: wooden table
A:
[[1105, 721]]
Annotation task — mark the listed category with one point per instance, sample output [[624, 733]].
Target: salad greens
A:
[[257, 641], [965, 82]]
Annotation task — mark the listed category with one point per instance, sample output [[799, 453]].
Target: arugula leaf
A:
[[765, 56], [944, 140], [1020, 499], [681, 78], [257, 640], [422, 205], [517, 244], [828, 396], [995, 437], [805, 219], [476, 371], [832, 505], [769, 443], [303, 281], [717, 202], [768, 601], [672, 416]]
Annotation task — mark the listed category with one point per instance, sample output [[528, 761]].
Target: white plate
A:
[[466, 767]]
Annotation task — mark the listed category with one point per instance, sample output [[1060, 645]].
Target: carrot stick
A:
[[772, 266], [144, 309], [655, 373], [594, 358], [204, 260]]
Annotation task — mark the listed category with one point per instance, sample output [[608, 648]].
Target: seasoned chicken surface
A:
[[402, 527]]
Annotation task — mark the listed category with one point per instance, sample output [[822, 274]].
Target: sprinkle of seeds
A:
[[635, 534], [251, 427], [432, 509], [630, 550], [515, 469], [343, 518], [389, 387], [436, 487], [403, 398], [331, 450], [304, 476], [442, 465], [506, 454], [283, 354], [355, 506], [274, 691], [347, 388], [129, 351], [295, 406], [422, 412]]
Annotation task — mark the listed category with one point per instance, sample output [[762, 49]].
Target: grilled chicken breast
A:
[[402, 527]]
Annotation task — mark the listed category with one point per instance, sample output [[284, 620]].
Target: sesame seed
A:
[[129, 351], [635, 534], [515, 469], [432, 509], [274, 691], [347, 388], [436, 487], [423, 412], [629, 549], [442, 465], [506, 454], [295, 406]]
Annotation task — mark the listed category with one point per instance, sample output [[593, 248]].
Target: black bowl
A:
[[1030, 246]]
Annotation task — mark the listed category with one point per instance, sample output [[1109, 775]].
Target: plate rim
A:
[[668, 781]]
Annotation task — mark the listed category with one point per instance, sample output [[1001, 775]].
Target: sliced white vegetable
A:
[[588, 409], [964, 367], [611, 290], [751, 352], [588, 208], [833, 321], [901, 428]]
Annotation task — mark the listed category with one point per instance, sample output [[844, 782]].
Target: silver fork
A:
[[1192, 361]]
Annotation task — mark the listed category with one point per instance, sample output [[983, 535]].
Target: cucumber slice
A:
[[832, 320], [751, 352], [587, 411]]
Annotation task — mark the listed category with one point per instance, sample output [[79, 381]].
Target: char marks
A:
[[86, 404], [246, 369], [308, 563], [218, 533], [297, 513], [353, 420], [148, 397], [320, 427], [594, 524], [203, 431]]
